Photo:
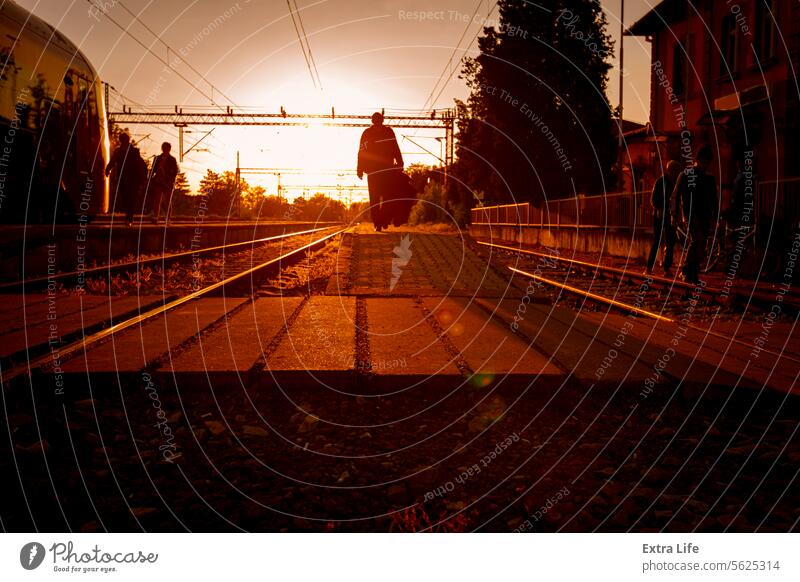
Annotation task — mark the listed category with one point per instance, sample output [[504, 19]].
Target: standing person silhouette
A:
[[130, 172], [162, 181], [696, 194], [663, 231], [378, 155]]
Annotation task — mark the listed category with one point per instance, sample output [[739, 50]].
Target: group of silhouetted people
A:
[[691, 196], [138, 189]]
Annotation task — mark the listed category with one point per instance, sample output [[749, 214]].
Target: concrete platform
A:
[[320, 343], [238, 342], [574, 347], [132, 350], [403, 344], [488, 347], [417, 336], [28, 310], [409, 263], [67, 317]]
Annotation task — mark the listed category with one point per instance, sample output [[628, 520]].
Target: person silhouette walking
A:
[[696, 197], [663, 229], [379, 156], [162, 181]]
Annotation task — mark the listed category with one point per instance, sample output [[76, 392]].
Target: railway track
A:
[[109, 271], [638, 293], [242, 283], [622, 287]]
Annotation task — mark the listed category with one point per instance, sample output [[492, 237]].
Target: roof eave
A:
[[660, 17]]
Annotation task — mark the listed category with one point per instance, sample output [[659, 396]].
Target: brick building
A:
[[724, 73]]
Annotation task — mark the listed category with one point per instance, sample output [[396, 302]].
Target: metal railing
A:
[[776, 200], [612, 210]]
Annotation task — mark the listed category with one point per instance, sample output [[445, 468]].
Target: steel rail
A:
[[46, 360], [594, 296], [639, 311], [139, 263], [757, 296]]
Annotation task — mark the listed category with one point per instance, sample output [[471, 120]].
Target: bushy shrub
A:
[[431, 206]]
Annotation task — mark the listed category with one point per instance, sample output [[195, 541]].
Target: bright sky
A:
[[370, 54]]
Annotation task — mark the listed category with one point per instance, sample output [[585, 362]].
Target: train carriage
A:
[[53, 133]]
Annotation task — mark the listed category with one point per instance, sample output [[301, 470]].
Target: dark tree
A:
[[183, 203], [422, 175], [537, 123], [275, 208], [220, 192], [318, 208]]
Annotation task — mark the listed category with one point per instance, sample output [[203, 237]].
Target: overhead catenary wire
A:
[[453, 70], [306, 54], [124, 99], [153, 53], [308, 45], [173, 51], [431, 99]]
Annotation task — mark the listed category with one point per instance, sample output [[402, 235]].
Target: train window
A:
[[83, 117], [91, 108], [69, 101], [83, 88], [91, 104]]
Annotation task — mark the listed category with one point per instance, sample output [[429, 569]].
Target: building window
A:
[[678, 68], [728, 64], [766, 15], [690, 70]]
